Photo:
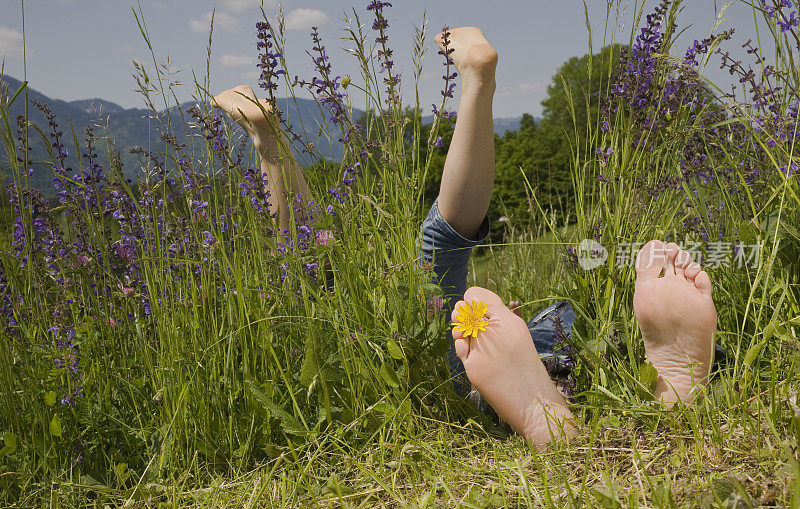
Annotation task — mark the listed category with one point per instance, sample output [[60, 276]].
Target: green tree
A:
[[542, 153]]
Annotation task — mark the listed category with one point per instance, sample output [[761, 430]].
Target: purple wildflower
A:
[[268, 60]]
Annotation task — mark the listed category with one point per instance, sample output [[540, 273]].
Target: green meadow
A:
[[165, 345]]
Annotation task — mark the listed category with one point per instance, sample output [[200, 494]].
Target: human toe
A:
[[494, 303], [703, 283], [692, 270], [682, 262], [671, 252], [651, 260]]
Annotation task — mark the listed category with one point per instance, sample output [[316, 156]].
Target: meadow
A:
[[165, 344]]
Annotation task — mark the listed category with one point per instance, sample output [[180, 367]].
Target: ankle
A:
[[265, 145], [479, 87], [679, 388], [548, 421]]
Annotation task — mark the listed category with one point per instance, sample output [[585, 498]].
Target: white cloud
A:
[[236, 60], [304, 19], [251, 75], [10, 42], [246, 5], [221, 21]]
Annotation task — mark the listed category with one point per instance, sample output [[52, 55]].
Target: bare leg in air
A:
[[277, 161]]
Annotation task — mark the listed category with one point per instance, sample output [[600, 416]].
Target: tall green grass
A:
[[232, 353], [253, 381]]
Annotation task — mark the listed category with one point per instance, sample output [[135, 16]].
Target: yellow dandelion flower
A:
[[470, 318]]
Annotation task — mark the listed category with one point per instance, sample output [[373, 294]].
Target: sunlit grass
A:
[[216, 367]]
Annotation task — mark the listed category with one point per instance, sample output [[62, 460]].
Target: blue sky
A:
[[80, 49]]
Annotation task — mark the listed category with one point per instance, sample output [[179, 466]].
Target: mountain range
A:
[[132, 127]]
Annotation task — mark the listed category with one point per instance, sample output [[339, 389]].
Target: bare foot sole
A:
[[472, 55], [503, 365], [677, 317]]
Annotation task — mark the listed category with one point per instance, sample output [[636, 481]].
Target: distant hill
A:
[[96, 106], [501, 124], [136, 127], [130, 127]]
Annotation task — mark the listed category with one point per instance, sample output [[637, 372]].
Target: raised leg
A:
[[284, 176], [468, 175]]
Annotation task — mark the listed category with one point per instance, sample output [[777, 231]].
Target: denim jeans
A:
[[449, 252]]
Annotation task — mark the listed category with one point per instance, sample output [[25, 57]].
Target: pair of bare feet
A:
[[673, 305], [672, 299]]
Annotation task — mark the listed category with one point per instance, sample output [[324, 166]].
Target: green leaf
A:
[[311, 365], [88, 480], [55, 426], [748, 232], [384, 408], [10, 442], [404, 410], [396, 302], [38, 443], [389, 376], [606, 499], [769, 331], [288, 421], [753, 352], [431, 288], [648, 375], [50, 398], [122, 472], [22, 87], [394, 349]]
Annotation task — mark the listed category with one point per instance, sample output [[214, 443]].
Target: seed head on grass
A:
[[470, 319]]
